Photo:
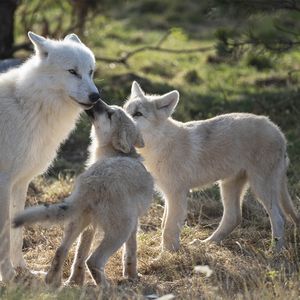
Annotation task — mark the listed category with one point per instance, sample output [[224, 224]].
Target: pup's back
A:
[[115, 184], [237, 140]]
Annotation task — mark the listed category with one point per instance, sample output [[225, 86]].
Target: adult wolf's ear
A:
[[136, 90], [40, 44], [139, 142], [72, 37], [167, 102]]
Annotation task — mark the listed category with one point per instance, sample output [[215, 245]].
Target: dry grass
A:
[[242, 267]]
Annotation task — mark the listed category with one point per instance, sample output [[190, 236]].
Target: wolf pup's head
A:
[[150, 111], [66, 67], [113, 126]]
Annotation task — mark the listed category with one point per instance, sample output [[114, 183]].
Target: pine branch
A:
[[158, 48]]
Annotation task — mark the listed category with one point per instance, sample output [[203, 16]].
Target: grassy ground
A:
[[243, 267]]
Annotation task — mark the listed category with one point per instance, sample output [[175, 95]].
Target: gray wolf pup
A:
[[111, 194], [40, 102], [238, 150]]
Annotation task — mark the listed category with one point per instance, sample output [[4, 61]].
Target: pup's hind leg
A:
[[174, 219], [82, 252], [54, 274], [163, 221], [232, 192], [17, 205], [268, 192], [7, 271], [129, 255], [287, 203], [114, 237]]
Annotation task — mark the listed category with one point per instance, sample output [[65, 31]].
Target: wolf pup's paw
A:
[[53, 280], [75, 280], [170, 246]]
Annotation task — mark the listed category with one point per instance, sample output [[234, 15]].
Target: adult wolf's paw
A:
[[25, 277], [9, 276]]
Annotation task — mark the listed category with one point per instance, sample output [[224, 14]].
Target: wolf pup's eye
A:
[[109, 114], [73, 72], [137, 114]]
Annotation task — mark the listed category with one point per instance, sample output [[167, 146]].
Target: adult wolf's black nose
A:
[[94, 97]]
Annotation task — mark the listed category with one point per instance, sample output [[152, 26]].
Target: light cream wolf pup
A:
[[40, 102], [111, 194], [235, 149]]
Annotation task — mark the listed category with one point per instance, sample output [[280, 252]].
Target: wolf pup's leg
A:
[[54, 275], [287, 203], [6, 269], [164, 218], [82, 253], [114, 237], [175, 217], [129, 256], [232, 191], [268, 190], [17, 204]]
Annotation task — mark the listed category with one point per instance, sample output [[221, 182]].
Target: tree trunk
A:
[[7, 12]]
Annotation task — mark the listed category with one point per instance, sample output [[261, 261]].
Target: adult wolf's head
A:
[[66, 67], [113, 126], [150, 111]]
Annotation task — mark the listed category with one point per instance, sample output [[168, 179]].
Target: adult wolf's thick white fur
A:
[[40, 102], [235, 149], [111, 194]]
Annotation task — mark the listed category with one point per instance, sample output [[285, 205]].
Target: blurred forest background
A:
[[223, 56]]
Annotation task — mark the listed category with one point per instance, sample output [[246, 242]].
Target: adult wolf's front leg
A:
[[6, 269], [18, 196], [174, 219]]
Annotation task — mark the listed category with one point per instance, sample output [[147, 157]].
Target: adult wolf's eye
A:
[[91, 73], [137, 114], [73, 72]]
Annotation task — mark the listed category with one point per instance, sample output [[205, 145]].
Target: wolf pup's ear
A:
[[139, 142], [136, 90], [167, 102], [40, 44], [121, 141], [72, 37]]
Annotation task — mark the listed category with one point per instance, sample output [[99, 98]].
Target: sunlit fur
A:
[[39, 105], [238, 150]]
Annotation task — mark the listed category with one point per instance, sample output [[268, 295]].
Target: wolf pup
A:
[[235, 149], [40, 102], [111, 194]]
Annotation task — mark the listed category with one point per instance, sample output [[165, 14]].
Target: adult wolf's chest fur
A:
[[44, 134]]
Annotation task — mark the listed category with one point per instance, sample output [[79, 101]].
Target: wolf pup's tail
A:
[[53, 213]]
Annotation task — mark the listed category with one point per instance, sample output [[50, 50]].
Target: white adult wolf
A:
[[40, 102], [235, 149]]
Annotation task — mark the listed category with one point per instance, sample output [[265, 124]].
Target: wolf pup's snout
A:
[[98, 107], [94, 97]]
